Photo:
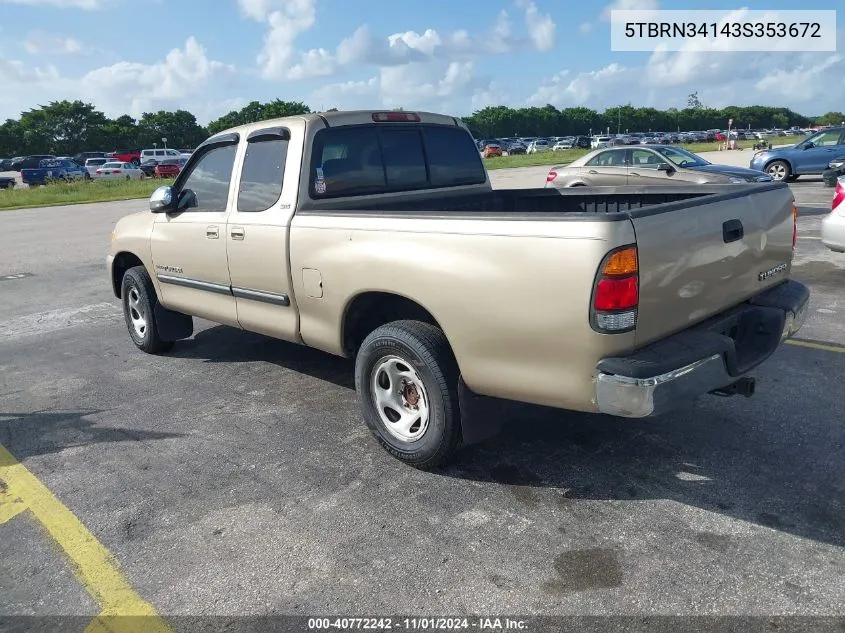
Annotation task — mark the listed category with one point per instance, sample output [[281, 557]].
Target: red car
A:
[[168, 168], [126, 156]]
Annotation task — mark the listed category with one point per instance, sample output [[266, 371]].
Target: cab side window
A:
[[263, 174], [210, 178]]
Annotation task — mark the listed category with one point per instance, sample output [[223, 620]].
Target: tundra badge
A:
[[768, 274]]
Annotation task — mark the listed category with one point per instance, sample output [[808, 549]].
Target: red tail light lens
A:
[[838, 195], [617, 294], [552, 175], [794, 225]]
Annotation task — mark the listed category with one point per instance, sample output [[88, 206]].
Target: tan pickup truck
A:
[[377, 235]]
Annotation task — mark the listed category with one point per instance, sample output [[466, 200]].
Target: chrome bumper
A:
[[638, 397]]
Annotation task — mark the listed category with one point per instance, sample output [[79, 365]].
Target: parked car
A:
[[5, 164], [92, 164], [647, 165], [149, 167], [835, 169], [562, 145], [599, 141], [169, 168], [538, 146], [492, 149], [118, 171], [516, 149], [649, 302], [132, 156], [53, 170], [30, 162], [82, 157], [810, 156], [7, 182], [582, 142], [833, 224]]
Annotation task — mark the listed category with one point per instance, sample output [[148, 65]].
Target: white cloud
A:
[[541, 28], [629, 5], [39, 42], [63, 4]]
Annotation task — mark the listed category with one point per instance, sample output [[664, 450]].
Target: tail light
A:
[[396, 117], [794, 225], [552, 175], [838, 197], [616, 293]]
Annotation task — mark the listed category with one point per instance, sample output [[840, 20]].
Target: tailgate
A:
[[694, 263]]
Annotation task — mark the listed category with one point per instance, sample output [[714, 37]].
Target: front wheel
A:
[[779, 170], [407, 382], [139, 302]]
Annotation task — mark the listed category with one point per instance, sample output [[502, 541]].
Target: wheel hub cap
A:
[[401, 399], [137, 314]]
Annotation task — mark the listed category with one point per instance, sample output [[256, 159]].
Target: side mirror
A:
[[162, 200], [665, 167], [808, 145]]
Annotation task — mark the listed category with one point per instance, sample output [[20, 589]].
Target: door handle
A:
[[212, 232], [732, 230], [592, 171], [237, 233]]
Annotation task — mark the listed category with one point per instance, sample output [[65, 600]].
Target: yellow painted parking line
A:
[[820, 346], [91, 562]]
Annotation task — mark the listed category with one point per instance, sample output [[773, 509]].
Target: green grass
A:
[[78, 192], [567, 156]]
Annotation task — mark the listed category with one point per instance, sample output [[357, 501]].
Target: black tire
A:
[[423, 348], [779, 170], [137, 285]]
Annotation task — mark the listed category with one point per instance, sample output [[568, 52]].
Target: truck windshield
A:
[[373, 159]]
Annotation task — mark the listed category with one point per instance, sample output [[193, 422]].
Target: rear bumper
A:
[[712, 355]]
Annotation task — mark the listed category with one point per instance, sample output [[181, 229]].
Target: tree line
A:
[[65, 128]]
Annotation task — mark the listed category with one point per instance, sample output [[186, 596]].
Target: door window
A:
[[827, 139], [262, 175], [209, 179], [644, 159]]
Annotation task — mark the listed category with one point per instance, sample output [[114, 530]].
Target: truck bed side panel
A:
[[512, 296]]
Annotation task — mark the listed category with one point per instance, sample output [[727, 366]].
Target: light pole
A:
[[164, 140]]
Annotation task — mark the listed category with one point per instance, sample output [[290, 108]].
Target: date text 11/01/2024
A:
[[417, 624]]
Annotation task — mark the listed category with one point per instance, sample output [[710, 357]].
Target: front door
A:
[[257, 235], [826, 146], [643, 168], [189, 247]]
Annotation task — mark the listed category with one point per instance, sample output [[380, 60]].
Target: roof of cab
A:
[[338, 118]]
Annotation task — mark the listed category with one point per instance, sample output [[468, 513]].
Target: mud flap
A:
[[173, 326], [481, 418]]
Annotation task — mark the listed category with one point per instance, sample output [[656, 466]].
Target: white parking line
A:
[[55, 320]]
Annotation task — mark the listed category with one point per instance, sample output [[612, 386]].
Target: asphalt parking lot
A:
[[234, 475]]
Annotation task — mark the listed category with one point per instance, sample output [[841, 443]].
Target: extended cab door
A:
[[189, 247], [257, 231]]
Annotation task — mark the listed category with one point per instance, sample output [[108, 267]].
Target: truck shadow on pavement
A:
[[715, 459], [45, 432], [772, 460]]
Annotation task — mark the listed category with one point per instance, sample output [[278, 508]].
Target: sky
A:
[[213, 56]]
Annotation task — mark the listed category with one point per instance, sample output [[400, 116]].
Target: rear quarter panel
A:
[[511, 295]]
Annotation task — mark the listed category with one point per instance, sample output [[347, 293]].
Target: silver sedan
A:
[[833, 224]]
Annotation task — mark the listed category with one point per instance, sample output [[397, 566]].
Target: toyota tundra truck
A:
[[377, 236]]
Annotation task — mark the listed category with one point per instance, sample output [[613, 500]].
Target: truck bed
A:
[[618, 202]]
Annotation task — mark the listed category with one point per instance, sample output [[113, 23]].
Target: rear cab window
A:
[[374, 159]]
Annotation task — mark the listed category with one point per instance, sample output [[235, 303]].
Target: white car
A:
[[599, 142], [562, 145], [538, 146], [118, 171], [93, 164], [833, 224]]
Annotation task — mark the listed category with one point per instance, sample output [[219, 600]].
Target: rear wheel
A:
[[407, 382], [139, 302], [779, 170]]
